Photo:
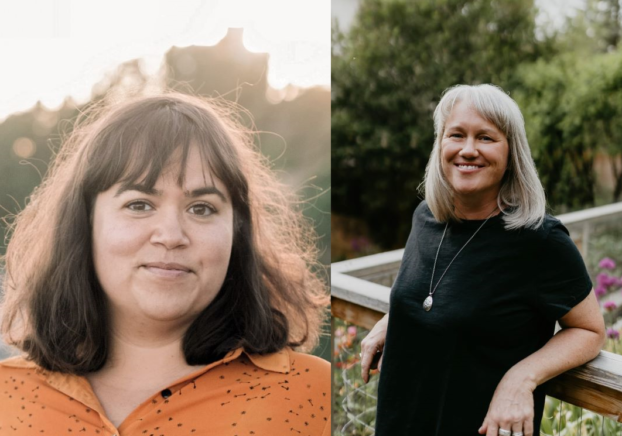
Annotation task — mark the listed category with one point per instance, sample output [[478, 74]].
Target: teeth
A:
[[468, 167]]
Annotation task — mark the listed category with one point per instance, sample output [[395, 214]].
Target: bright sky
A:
[[50, 49]]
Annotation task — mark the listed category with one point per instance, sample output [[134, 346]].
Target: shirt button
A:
[[166, 393]]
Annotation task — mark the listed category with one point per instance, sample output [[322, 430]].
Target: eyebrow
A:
[[155, 192], [486, 131]]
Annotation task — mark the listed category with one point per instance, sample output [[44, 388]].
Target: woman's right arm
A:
[[372, 344]]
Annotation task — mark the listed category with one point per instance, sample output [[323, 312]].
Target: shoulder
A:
[[19, 368], [300, 392], [553, 236], [295, 366], [309, 380], [556, 256], [311, 363], [551, 226], [22, 371], [550, 229], [423, 214], [422, 209]]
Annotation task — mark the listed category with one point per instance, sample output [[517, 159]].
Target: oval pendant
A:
[[427, 303]]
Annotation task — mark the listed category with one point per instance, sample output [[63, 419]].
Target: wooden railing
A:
[[360, 291]]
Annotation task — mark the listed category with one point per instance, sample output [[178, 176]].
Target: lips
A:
[[468, 167], [167, 267]]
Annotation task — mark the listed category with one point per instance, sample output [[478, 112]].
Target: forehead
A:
[[190, 175], [141, 145], [464, 114]]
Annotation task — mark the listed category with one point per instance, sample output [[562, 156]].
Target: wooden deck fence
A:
[[360, 291]]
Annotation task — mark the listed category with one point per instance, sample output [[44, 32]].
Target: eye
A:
[[139, 206], [486, 138], [202, 209]]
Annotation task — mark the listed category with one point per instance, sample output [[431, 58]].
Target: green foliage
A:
[[564, 419], [354, 402], [547, 99], [596, 109], [388, 74], [572, 109]]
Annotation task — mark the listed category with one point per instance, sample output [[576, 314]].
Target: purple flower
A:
[[609, 306], [607, 263], [605, 280], [600, 291], [352, 330], [613, 334]]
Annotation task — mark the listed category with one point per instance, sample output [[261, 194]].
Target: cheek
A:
[[504, 160], [448, 152], [113, 244], [215, 247], [446, 157]]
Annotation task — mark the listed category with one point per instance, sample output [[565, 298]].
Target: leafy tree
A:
[[548, 100], [595, 110], [388, 74]]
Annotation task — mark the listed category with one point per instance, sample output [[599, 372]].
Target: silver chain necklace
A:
[[427, 303]]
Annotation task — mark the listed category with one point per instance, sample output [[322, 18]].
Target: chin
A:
[[468, 191], [168, 312]]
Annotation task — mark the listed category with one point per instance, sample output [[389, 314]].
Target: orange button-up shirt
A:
[[280, 394]]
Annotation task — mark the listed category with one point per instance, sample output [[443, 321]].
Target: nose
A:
[[469, 150], [169, 230]]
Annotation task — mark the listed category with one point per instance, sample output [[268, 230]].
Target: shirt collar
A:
[[18, 362], [276, 362]]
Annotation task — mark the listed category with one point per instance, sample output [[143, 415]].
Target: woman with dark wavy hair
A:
[[157, 282]]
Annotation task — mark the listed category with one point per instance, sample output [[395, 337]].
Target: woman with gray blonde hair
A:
[[469, 339]]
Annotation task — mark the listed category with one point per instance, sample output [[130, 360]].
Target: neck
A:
[[475, 210], [142, 357]]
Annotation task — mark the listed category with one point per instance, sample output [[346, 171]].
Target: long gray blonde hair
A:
[[520, 189]]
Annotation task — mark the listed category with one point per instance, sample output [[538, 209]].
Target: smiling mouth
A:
[[465, 167], [468, 167]]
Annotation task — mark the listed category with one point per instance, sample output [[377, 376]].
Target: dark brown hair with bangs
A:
[[54, 308]]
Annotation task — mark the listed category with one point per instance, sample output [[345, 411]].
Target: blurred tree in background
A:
[[390, 70]]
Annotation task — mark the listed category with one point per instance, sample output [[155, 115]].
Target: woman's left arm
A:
[[581, 338]]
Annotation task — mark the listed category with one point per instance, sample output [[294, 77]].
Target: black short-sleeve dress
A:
[[496, 305]]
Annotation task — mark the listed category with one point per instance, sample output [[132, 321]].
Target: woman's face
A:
[[474, 154], [163, 255]]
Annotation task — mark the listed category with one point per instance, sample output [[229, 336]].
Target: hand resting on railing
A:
[[372, 346]]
